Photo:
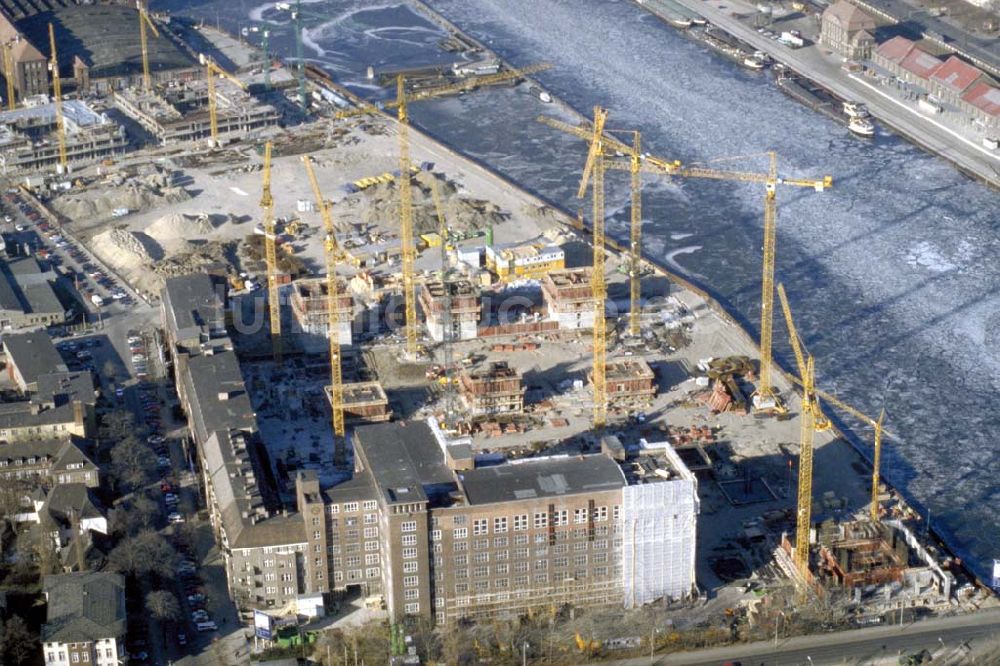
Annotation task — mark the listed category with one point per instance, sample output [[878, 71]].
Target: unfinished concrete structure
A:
[[630, 382], [311, 313], [364, 402], [465, 307], [180, 113], [862, 553], [496, 390], [28, 139], [568, 298]]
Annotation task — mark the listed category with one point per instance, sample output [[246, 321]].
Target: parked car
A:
[[175, 517]]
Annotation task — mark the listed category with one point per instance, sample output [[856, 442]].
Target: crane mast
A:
[[267, 208], [406, 219], [876, 466], [212, 69], [8, 72], [635, 239], [804, 505], [446, 323], [765, 397], [144, 20], [332, 253], [57, 94], [300, 64], [594, 169]]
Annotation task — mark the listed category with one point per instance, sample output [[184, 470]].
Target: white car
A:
[[175, 517]]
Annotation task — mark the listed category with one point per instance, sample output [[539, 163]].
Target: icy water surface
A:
[[893, 274]]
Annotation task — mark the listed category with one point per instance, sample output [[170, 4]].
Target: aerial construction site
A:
[[363, 329]]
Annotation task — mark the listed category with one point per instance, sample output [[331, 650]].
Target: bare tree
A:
[[164, 608], [145, 553], [132, 462]]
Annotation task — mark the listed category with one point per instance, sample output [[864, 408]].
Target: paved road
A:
[[811, 62], [861, 646]]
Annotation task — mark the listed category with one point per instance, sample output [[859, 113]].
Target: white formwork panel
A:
[[658, 540]]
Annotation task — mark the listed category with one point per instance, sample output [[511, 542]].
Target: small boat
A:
[[545, 97], [753, 62], [855, 110], [861, 126]]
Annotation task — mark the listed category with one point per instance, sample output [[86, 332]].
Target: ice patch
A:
[[925, 255], [680, 236]]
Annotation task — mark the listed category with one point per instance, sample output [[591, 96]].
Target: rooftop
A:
[[848, 16], [532, 478], [26, 288], [105, 37], [956, 74], [626, 368], [920, 62], [34, 354], [218, 395], [985, 97], [895, 49], [193, 303], [404, 458], [84, 607]]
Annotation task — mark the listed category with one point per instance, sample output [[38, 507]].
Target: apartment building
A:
[[85, 619], [49, 461]]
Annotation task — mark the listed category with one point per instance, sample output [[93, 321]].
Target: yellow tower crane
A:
[[765, 397], [267, 208], [876, 465], [333, 317], [57, 94], [634, 153], [408, 251], [593, 171], [803, 518], [8, 74], [820, 421], [144, 21], [212, 69]]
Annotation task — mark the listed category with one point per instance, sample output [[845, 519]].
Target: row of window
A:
[[353, 507], [541, 519]]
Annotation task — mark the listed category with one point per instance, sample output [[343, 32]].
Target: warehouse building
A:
[[27, 298], [847, 30]]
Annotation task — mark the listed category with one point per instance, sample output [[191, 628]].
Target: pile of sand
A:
[[381, 202], [178, 226], [138, 194], [126, 251]]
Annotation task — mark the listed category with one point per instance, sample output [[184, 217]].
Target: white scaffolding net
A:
[[658, 537]]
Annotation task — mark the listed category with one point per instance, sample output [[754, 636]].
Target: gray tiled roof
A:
[[84, 607]]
